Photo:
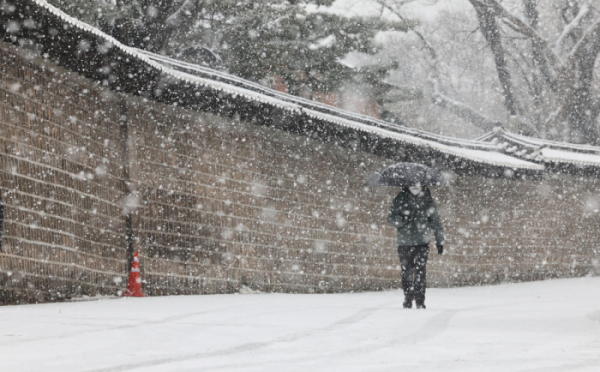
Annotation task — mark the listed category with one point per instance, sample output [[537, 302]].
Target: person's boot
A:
[[407, 304], [421, 304]]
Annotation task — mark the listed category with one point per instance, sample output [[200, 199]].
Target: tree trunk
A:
[[489, 29], [540, 71], [531, 14], [580, 105]]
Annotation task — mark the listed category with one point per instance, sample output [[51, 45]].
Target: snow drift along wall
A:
[[211, 203]]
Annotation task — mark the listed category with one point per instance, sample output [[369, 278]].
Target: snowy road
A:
[[543, 326]]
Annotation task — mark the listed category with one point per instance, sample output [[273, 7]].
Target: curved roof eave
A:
[[546, 151], [472, 151]]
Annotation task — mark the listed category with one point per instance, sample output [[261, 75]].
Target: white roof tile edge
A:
[[332, 109], [482, 156], [558, 152], [541, 142], [561, 156]]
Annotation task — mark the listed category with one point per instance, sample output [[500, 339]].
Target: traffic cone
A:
[[134, 287]]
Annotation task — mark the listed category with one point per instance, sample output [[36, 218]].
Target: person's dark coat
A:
[[415, 217]]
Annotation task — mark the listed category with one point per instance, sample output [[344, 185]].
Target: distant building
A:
[[349, 99]]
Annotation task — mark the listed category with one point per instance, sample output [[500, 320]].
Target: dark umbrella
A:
[[405, 175]]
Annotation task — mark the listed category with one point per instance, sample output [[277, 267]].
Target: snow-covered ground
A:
[[542, 326]]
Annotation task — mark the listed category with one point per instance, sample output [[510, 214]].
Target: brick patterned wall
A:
[[224, 203], [503, 230], [216, 203], [61, 179]]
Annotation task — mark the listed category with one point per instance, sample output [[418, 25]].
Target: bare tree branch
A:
[[462, 110], [180, 18], [588, 46], [465, 112], [521, 27], [186, 10], [553, 81], [570, 28], [491, 32], [429, 48], [459, 109]]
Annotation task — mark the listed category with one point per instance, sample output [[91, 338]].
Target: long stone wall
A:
[[224, 203], [213, 203], [506, 230], [61, 178]]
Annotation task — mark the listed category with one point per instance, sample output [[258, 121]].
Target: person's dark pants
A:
[[413, 259]]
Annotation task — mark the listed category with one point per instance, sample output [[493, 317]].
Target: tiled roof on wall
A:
[[187, 81], [549, 153], [477, 151]]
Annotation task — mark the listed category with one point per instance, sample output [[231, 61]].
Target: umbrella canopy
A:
[[405, 175]]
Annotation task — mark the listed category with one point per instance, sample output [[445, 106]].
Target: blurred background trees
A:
[[527, 64], [295, 41], [455, 67]]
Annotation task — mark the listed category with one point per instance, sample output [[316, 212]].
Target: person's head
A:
[[415, 189]]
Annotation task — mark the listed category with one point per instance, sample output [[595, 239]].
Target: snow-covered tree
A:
[[543, 55], [296, 40]]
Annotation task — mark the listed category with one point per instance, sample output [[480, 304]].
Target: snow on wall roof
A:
[[562, 156], [544, 151], [475, 151], [554, 144]]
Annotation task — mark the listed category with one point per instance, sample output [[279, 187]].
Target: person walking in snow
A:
[[414, 214]]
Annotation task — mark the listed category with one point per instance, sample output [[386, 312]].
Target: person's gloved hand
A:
[[440, 249]]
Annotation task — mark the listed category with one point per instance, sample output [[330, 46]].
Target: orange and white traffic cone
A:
[[134, 287]]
